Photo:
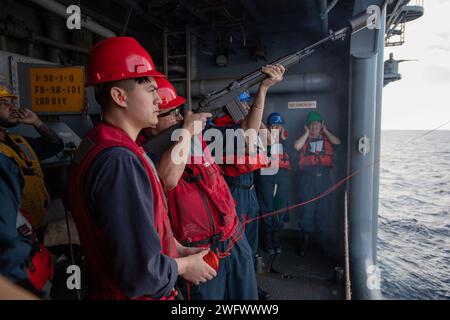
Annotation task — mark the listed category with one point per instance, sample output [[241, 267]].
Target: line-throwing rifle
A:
[[226, 101]]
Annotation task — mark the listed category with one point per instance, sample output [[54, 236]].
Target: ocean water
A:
[[414, 215]]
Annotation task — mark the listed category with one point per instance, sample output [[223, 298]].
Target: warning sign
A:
[[302, 104], [57, 89]]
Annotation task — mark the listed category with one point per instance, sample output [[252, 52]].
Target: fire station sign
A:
[[57, 90], [302, 104]]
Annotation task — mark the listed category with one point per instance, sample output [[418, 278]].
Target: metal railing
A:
[[418, 3], [395, 26]]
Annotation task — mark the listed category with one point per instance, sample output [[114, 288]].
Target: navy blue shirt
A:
[[44, 149], [40, 146], [13, 247], [120, 195]]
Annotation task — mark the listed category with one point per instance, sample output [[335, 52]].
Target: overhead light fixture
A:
[[221, 60]]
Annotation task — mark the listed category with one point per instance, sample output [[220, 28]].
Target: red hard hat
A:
[[119, 58], [170, 98]]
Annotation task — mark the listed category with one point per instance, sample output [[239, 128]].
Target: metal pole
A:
[[364, 49], [378, 113], [3, 43], [165, 53], [127, 21], [323, 11], [361, 186], [58, 44]]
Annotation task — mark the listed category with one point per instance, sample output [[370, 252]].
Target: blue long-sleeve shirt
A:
[[44, 149], [14, 248], [120, 195]]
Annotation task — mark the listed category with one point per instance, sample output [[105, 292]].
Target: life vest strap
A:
[[191, 177], [237, 184], [209, 240]]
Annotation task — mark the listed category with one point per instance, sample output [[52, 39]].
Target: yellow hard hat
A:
[[4, 92]]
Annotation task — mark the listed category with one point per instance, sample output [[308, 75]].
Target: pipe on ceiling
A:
[[324, 16], [307, 82], [21, 33], [60, 10]]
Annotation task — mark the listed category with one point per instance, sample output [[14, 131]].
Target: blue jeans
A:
[[266, 198], [247, 206], [317, 214]]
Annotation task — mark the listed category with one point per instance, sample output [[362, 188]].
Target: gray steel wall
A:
[[333, 60]]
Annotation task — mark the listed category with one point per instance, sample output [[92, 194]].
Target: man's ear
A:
[[119, 96]]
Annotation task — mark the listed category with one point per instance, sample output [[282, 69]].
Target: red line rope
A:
[[241, 233], [238, 236]]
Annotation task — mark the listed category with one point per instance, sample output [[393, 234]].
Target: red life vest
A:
[[284, 162], [234, 165], [224, 121], [322, 158], [283, 159], [201, 206], [92, 238]]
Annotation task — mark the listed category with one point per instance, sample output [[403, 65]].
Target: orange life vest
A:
[[323, 157], [281, 158]]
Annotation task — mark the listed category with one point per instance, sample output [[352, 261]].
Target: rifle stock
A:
[[158, 144]]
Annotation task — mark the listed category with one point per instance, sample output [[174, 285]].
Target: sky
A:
[[421, 100]]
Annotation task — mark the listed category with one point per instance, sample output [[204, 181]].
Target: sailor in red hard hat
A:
[[201, 207], [115, 195]]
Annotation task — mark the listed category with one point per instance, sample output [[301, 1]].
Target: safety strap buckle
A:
[[209, 240], [192, 177]]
